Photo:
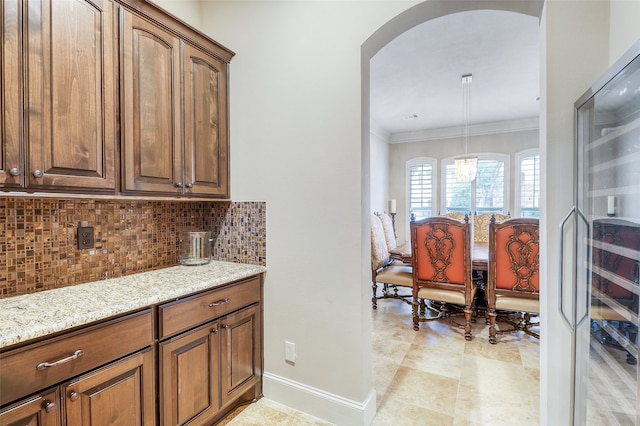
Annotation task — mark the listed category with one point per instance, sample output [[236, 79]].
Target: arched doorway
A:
[[417, 15]]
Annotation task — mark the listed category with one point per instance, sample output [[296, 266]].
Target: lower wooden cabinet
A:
[[206, 370], [241, 353], [186, 361], [122, 393], [40, 410], [189, 376]]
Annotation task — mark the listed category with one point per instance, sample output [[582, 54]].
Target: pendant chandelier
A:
[[467, 166]]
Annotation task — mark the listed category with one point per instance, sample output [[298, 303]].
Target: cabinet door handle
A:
[[178, 184], [38, 173], [49, 406], [225, 326], [219, 302], [77, 354], [214, 330], [73, 396], [189, 185], [14, 172]]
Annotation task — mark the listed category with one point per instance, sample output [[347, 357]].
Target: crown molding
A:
[[379, 131], [520, 125]]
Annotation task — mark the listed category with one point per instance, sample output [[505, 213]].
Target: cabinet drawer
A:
[[187, 313], [37, 366]]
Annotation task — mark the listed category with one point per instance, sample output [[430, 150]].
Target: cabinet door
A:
[[40, 410], [121, 393], [71, 94], [11, 169], [189, 376], [241, 342], [152, 146], [206, 121]]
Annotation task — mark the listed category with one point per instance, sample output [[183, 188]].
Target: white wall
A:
[[296, 143], [186, 10], [624, 28], [379, 171]]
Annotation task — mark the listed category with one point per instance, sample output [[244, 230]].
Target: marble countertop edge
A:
[[36, 315]]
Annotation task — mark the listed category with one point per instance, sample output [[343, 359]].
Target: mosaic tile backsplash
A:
[[38, 245]]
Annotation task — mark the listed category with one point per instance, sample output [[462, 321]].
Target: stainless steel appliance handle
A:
[[561, 269], [580, 215]]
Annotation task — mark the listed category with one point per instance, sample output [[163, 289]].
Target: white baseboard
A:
[[318, 403]]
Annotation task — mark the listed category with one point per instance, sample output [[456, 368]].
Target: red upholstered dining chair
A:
[[384, 270], [513, 287], [441, 251]]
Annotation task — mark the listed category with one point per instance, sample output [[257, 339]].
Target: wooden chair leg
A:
[[374, 299], [491, 313], [414, 309], [468, 312]]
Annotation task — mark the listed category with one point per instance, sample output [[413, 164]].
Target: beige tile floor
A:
[[435, 377]]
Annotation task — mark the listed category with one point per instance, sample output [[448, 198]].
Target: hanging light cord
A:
[[466, 109]]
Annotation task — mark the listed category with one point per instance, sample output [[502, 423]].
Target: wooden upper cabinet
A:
[[107, 96], [206, 133], [160, 153], [152, 146], [71, 95], [11, 168]]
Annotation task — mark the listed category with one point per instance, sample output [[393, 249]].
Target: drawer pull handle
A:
[[76, 354], [49, 406], [73, 396], [219, 302]]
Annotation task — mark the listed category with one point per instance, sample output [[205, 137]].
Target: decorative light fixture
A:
[[467, 166]]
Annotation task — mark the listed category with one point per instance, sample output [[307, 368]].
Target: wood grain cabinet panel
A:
[[26, 370], [152, 160], [11, 165], [241, 359], [40, 410], [217, 362], [184, 314], [206, 133], [122, 393], [111, 96], [189, 376], [103, 374], [71, 67]]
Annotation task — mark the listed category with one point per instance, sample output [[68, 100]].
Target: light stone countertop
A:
[[36, 315]]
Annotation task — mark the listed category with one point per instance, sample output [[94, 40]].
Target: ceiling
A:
[[416, 78]]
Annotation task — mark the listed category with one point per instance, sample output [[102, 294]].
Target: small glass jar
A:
[[195, 248]]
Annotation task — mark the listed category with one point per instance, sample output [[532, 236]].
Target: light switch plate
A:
[[290, 352]]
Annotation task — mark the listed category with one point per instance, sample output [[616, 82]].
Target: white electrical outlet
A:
[[289, 351]]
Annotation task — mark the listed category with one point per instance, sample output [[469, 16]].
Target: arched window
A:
[[421, 186], [528, 183], [487, 193]]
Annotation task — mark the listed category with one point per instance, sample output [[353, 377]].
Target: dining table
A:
[[479, 255]]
